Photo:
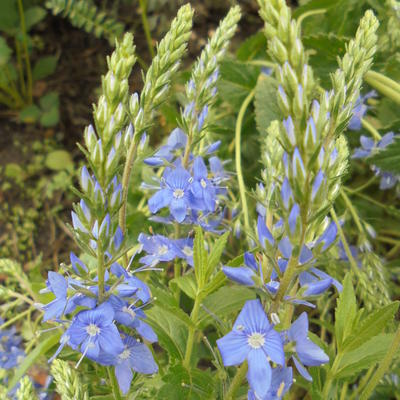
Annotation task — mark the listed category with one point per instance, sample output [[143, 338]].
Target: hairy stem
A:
[[236, 382], [145, 22], [192, 330]]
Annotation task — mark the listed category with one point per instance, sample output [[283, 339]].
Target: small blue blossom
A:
[[185, 249], [202, 188], [307, 351], [253, 338], [359, 111], [174, 193], [158, 248]]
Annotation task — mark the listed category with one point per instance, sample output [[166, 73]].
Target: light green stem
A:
[[371, 129], [101, 274], [310, 13], [16, 318], [352, 210], [192, 330], [388, 91], [238, 132], [383, 79], [383, 366], [114, 384], [236, 382], [145, 22]]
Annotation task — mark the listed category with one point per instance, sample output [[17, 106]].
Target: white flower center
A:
[[92, 330], [187, 251], [256, 340], [178, 193], [203, 183], [125, 354], [162, 250], [129, 311]]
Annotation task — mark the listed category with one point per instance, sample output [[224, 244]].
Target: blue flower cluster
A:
[[96, 331], [192, 193], [254, 338], [360, 110], [368, 148], [11, 353]]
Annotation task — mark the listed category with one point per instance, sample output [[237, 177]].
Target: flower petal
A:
[[233, 348], [124, 377], [259, 373], [303, 372], [273, 347], [253, 318]]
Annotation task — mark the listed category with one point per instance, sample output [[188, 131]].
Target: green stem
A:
[[261, 63], [371, 129], [383, 79], [344, 391], [16, 318], [346, 247], [236, 382], [362, 383], [192, 330], [238, 132], [386, 90], [145, 22], [20, 66], [25, 46], [383, 366], [101, 274], [353, 211], [114, 384], [361, 187], [309, 14]]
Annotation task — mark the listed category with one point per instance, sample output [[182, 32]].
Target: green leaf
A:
[[215, 283], [186, 283], [371, 326], [171, 331], [34, 15], [345, 312], [44, 67], [46, 343], [50, 118], [9, 19], [49, 101], [30, 114], [236, 82], [225, 301], [252, 46], [364, 356], [388, 159], [199, 257], [216, 253], [5, 52], [265, 103], [58, 160]]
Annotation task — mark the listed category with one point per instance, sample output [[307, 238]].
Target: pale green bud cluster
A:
[[68, 383], [201, 88], [163, 67], [26, 391], [84, 14], [347, 80]]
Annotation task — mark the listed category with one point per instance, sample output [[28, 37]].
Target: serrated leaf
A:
[[371, 326], [364, 356], [388, 159], [187, 284], [225, 301], [216, 253], [171, 331], [345, 312], [265, 103], [44, 67], [215, 283], [199, 257], [236, 82]]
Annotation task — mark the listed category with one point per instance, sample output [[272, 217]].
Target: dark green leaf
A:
[[186, 283], [33, 15], [252, 46], [44, 67], [9, 19], [364, 356], [388, 159], [49, 101], [30, 114], [371, 326], [5, 52], [216, 253], [266, 105], [50, 118]]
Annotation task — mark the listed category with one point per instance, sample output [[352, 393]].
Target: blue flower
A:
[[202, 188], [58, 285], [94, 332], [253, 338], [134, 356], [307, 351], [185, 249], [244, 275], [158, 248], [175, 193], [359, 111], [370, 147], [281, 381]]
